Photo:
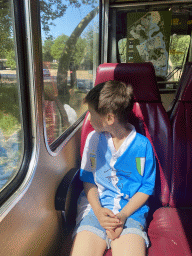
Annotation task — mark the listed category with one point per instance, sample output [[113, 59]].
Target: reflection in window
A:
[[70, 58], [11, 139], [179, 45], [122, 45]]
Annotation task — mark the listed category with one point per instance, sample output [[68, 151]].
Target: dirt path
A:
[[81, 74]]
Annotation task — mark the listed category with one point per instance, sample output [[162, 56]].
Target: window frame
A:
[[15, 189], [56, 146]]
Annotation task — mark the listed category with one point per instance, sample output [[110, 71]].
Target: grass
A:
[[9, 109]]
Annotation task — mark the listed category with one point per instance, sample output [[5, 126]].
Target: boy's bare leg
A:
[[128, 245], [87, 243]]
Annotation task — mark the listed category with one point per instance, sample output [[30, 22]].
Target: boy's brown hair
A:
[[112, 97]]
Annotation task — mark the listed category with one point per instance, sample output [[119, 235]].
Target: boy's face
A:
[[98, 121]]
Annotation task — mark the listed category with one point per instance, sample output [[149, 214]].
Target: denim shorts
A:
[[91, 223]]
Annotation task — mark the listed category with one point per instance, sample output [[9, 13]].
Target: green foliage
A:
[[58, 46], [9, 108], [55, 49], [53, 9], [50, 10], [8, 123], [92, 48], [122, 45], [178, 49], [6, 30], [77, 3], [11, 63], [79, 51], [47, 49]]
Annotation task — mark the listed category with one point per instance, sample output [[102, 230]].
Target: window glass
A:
[[161, 37], [179, 45], [122, 45], [70, 58], [11, 133]]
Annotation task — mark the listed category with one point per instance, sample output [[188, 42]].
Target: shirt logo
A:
[[140, 163], [93, 161]]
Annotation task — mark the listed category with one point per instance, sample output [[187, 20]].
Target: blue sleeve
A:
[[88, 162], [86, 176], [148, 181]]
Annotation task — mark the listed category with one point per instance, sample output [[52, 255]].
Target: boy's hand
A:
[[115, 233], [107, 218], [122, 217]]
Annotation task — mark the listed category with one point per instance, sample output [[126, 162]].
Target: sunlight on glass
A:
[[70, 59], [122, 45], [11, 139], [179, 45]]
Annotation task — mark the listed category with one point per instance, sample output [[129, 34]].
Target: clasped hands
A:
[[113, 224]]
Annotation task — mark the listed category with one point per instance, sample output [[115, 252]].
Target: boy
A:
[[118, 171]]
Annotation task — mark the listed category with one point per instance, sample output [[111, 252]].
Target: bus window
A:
[[159, 34], [11, 132], [179, 45], [70, 58], [122, 45]]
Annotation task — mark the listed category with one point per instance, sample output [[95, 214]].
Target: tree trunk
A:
[[68, 51]]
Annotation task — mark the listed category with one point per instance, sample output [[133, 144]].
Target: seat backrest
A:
[[148, 112], [181, 120], [182, 83]]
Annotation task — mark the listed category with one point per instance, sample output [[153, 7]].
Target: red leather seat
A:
[[181, 187], [149, 114], [167, 233], [171, 227], [181, 86], [181, 120]]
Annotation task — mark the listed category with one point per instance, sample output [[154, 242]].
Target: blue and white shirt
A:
[[117, 174]]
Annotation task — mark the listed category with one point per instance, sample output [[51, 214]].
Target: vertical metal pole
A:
[[105, 21], [190, 49], [113, 50]]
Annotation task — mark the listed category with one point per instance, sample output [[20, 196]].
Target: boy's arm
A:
[[134, 204], [139, 198], [147, 186], [106, 217]]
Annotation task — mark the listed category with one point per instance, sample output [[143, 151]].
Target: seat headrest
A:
[[140, 75]]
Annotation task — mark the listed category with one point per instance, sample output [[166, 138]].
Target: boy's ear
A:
[[110, 118]]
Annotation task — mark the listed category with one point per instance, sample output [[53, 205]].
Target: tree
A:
[[11, 63], [53, 9], [6, 29], [91, 55], [178, 49], [68, 52], [47, 49], [49, 11], [58, 46], [79, 52], [122, 45]]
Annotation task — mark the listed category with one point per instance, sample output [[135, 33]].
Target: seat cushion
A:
[[181, 117], [169, 232]]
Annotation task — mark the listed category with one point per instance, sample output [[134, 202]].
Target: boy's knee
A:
[[87, 243]]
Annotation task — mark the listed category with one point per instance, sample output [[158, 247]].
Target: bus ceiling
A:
[[178, 6], [181, 12], [136, 3]]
